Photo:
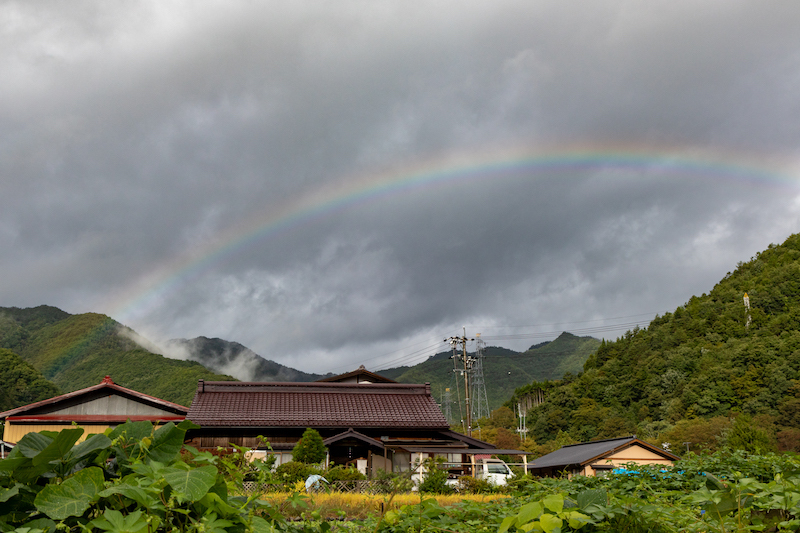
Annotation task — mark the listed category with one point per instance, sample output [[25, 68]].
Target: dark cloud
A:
[[135, 138]]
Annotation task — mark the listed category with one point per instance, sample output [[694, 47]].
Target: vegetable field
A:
[[138, 479]]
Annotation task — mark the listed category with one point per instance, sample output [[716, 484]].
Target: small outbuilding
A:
[[94, 408], [599, 457]]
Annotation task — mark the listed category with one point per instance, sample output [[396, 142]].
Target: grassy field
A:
[[360, 506]]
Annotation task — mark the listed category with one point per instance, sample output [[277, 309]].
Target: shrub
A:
[[310, 448], [294, 471], [470, 485], [343, 473], [435, 478]]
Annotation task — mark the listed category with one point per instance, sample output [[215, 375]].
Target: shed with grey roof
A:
[[598, 457]]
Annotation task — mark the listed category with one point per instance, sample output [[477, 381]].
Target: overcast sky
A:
[[343, 183]]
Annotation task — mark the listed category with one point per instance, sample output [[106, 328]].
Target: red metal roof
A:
[[107, 383], [92, 419], [317, 405]]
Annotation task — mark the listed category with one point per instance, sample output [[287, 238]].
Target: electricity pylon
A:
[[480, 402], [448, 413]]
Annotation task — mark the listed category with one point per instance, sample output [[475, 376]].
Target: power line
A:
[[421, 354]]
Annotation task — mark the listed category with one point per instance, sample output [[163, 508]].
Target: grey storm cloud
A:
[[136, 138]]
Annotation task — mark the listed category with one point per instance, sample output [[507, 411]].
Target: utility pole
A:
[[455, 343]]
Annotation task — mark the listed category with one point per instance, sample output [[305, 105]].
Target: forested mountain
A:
[[76, 351], [681, 379], [237, 360], [20, 383], [503, 369]]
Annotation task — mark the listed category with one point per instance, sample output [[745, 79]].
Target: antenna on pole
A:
[[749, 319]]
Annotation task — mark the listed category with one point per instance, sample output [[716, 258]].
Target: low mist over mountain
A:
[[77, 351], [235, 360]]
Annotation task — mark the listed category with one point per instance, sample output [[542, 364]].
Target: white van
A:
[[494, 471]]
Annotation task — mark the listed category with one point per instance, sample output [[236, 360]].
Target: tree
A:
[[745, 435], [21, 383], [309, 449]]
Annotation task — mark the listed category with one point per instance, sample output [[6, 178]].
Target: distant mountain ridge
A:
[[504, 370], [77, 351], [237, 360]]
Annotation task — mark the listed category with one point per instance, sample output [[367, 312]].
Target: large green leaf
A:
[[92, 444], [133, 492], [592, 497], [167, 443], [550, 523], [60, 446], [529, 511], [194, 483], [73, 496], [115, 522], [259, 525], [10, 464], [6, 495], [134, 431], [32, 444], [554, 502]]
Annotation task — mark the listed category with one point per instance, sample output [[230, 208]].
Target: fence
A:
[[365, 486]]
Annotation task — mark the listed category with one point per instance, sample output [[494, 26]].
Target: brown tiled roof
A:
[[317, 405]]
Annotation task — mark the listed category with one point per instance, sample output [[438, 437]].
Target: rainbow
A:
[[432, 174]]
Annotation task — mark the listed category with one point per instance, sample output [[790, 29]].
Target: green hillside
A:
[[76, 351], [21, 382], [504, 370], [694, 368]]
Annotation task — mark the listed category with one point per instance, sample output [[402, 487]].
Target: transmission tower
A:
[[480, 402], [448, 414]]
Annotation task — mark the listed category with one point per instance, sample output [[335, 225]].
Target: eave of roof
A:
[[91, 419], [146, 398], [468, 451], [470, 441], [354, 434]]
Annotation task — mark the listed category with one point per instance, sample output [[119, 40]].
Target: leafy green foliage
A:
[[700, 362], [22, 383], [435, 477], [127, 480], [77, 351], [310, 449], [343, 473], [294, 471]]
